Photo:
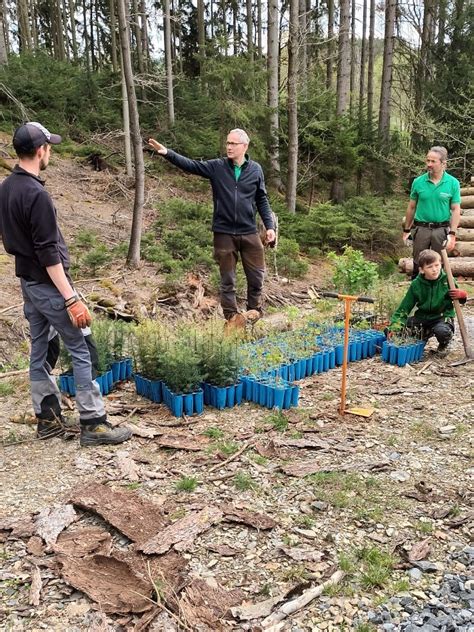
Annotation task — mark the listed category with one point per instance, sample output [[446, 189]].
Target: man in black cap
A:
[[29, 230]]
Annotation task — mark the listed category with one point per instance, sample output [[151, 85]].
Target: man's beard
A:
[[43, 165]]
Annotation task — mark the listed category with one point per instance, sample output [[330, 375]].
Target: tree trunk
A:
[[35, 24], [330, 46], [303, 45], [137, 36], [370, 70], [168, 63], [363, 54], [126, 123], [3, 35], [343, 84], [113, 36], [352, 95], [259, 29], [72, 26], [249, 30], [442, 10], [386, 87], [201, 39], [273, 93], [423, 60], [144, 34], [87, 46], [133, 256], [292, 107], [24, 31], [459, 266]]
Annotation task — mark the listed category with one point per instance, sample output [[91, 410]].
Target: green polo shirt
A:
[[433, 201], [238, 170]]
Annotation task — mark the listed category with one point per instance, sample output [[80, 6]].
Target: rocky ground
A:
[[377, 509]]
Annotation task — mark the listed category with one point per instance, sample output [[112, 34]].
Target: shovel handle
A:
[[359, 299], [452, 286]]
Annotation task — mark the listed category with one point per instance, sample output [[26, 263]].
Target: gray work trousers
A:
[[425, 238], [44, 307]]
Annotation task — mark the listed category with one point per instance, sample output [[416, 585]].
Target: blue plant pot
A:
[[262, 394], [297, 367], [393, 354], [402, 356], [365, 348], [156, 391], [332, 358], [352, 352], [291, 372], [339, 351], [115, 368], [284, 371], [270, 396], [411, 351], [358, 350], [287, 398], [310, 366], [325, 361], [385, 351], [319, 360], [221, 395], [188, 404], [176, 406], [198, 402], [230, 396], [255, 391], [110, 380], [128, 368], [278, 397], [239, 389], [295, 394]]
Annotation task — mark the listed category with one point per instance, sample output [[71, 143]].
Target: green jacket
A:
[[430, 297]]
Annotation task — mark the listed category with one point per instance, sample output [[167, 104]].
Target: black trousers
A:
[[441, 328]]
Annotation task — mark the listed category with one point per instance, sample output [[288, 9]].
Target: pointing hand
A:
[[161, 149]]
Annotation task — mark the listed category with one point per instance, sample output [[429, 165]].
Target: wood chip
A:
[[253, 519], [305, 442], [419, 551], [109, 582], [182, 533], [248, 611], [223, 549], [305, 468], [51, 521], [126, 466], [35, 588], [301, 555], [128, 512], [20, 527], [35, 546]]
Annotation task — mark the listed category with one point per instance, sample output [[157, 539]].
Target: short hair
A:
[[441, 151], [244, 137], [28, 154], [427, 257]]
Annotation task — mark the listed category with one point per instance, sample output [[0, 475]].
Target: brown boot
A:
[[238, 321], [252, 315]]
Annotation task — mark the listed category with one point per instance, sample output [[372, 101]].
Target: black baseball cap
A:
[[29, 136]]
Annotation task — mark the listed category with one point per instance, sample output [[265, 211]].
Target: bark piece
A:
[[51, 521], [145, 432], [419, 550], [35, 588], [246, 612], [82, 542], [35, 546], [268, 450], [305, 468], [22, 527], [458, 522], [251, 518], [135, 517], [181, 533], [223, 549], [304, 442], [179, 442], [203, 604], [108, 581], [168, 572], [126, 465]]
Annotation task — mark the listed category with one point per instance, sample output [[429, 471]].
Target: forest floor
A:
[[276, 503]]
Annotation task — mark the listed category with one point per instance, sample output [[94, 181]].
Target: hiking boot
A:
[[47, 429], [442, 350], [103, 434], [252, 315]]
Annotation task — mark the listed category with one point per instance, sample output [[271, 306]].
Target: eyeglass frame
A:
[[231, 144]]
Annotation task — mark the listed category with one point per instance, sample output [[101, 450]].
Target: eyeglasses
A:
[[234, 144]]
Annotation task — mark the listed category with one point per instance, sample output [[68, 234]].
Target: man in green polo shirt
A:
[[434, 209]]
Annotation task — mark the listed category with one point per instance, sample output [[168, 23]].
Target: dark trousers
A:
[[227, 249], [425, 238], [442, 329]]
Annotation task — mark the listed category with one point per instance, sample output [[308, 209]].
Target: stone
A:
[[414, 574]]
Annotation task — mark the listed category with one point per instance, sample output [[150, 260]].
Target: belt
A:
[[431, 224]]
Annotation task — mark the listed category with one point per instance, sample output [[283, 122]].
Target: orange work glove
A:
[[78, 312]]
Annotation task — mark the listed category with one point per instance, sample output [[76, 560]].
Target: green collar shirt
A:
[[238, 170], [433, 201]]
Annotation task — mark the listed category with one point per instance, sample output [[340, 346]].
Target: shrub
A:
[[288, 260], [352, 273]]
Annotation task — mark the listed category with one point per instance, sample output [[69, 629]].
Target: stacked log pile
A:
[[462, 262]]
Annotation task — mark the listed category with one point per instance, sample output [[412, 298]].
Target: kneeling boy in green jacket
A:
[[430, 294]]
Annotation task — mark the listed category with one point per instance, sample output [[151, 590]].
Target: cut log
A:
[[467, 201], [460, 266], [466, 221], [466, 234], [467, 191], [464, 249], [468, 212]]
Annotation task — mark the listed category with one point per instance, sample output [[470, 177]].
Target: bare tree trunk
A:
[[352, 95], [386, 87], [330, 46], [126, 124], [24, 31], [343, 84], [303, 44], [133, 256], [91, 40], [72, 26], [292, 107], [423, 60], [168, 63], [370, 70], [3, 35], [273, 93], [442, 9], [98, 38], [137, 36], [87, 47], [113, 36], [363, 60], [201, 39], [259, 29], [34, 24], [249, 30], [144, 34]]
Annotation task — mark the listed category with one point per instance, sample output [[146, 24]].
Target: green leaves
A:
[[352, 273]]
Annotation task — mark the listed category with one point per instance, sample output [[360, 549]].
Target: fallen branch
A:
[[231, 458], [424, 367], [303, 600], [17, 372], [7, 309]]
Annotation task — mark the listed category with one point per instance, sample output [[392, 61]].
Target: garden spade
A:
[[348, 300], [462, 325]]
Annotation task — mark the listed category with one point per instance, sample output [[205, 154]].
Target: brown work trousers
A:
[[427, 238], [226, 253]]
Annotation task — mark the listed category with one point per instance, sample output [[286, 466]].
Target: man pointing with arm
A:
[[238, 191]]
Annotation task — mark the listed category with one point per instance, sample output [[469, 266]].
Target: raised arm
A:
[[203, 168]]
